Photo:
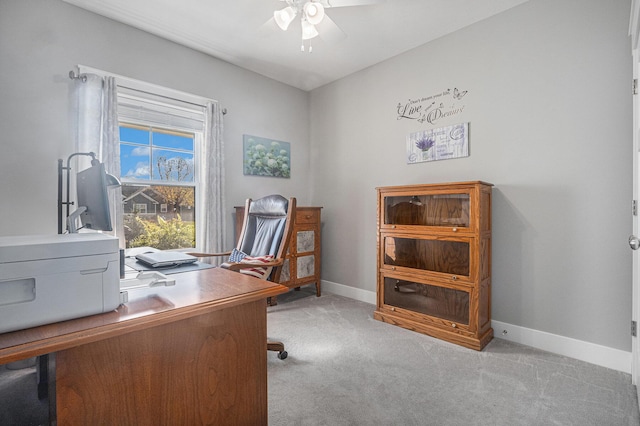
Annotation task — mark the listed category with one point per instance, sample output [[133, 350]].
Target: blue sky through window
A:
[[167, 140], [151, 154]]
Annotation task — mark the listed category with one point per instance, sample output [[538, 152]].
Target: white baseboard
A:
[[350, 292], [603, 356], [566, 346]]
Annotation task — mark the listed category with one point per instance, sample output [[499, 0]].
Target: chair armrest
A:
[[236, 266], [226, 253]]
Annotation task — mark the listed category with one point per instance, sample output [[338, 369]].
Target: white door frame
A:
[[634, 31]]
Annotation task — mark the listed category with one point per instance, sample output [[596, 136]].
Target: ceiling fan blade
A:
[[346, 3], [330, 31]]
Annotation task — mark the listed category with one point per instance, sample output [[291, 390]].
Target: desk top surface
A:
[[193, 294]]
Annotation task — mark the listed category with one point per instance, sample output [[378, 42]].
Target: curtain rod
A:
[[83, 78]]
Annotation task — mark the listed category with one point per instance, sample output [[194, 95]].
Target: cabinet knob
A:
[[393, 268], [455, 229], [454, 278], [453, 325], [393, 309], [308, 216], [393, 227]]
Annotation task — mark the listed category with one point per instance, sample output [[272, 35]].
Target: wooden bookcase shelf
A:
[[434, 260]]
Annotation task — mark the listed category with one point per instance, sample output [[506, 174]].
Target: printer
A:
[[51, 278]]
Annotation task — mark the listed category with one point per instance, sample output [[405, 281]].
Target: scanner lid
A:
[[24, 248]]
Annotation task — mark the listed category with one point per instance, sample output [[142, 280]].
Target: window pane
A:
[[139, 136], [173, 166], [134, 161], [169, 140], [159, 216]]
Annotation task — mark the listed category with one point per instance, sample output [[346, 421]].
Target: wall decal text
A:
[[432, 108]]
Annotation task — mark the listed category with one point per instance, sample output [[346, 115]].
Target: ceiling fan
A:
[[313, 19]]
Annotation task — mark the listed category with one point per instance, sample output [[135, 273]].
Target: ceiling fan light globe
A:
[[308, 31], [284, 17], [314, 12]]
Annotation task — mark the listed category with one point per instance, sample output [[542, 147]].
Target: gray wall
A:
[[41, 41], [549, 107]]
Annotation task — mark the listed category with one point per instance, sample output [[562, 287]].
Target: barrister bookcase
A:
[[434, 260]]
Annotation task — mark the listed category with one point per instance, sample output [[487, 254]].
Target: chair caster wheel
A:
[[282, 355]]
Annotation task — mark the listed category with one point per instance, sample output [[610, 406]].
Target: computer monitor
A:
[[93, 200]]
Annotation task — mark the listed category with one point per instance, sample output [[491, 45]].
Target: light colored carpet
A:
[[345, 368], [19, 403]]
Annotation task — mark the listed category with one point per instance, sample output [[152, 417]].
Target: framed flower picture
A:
[[266, 157]]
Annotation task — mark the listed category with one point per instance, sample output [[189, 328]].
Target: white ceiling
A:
[[234, 31]]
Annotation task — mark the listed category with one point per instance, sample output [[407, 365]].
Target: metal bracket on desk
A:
[[144, 279]]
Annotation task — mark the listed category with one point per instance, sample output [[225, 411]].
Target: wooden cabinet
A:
[[302, 263], [434, 260]]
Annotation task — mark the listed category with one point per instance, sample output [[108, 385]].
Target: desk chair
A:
[[263, 243]]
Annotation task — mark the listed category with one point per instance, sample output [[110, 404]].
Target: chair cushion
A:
[[263, 235], [262, 273]]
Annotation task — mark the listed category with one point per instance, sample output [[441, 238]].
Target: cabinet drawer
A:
[[307, 216], [449, 304]]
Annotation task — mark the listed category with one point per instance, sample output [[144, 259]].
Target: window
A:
[[140, 208], [171, 160], [160, 142]]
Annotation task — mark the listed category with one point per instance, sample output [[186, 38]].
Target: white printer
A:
[[51, 278]]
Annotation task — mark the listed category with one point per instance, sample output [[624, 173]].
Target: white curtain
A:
[[98, 132], [88, 100], [211, 228]]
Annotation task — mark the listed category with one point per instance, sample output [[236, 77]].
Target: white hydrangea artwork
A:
[[266, 157]]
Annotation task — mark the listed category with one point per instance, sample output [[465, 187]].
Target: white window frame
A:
[[140, 208]]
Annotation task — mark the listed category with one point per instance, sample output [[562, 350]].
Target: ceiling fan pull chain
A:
[[302, 49]]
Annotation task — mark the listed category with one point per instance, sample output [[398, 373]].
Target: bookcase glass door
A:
[[436, 301], [435, 255], [428, 210]]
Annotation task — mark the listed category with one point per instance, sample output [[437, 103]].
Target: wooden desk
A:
[[194, 353]]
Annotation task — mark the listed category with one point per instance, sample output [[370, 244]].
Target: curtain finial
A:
[[81, 77]]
